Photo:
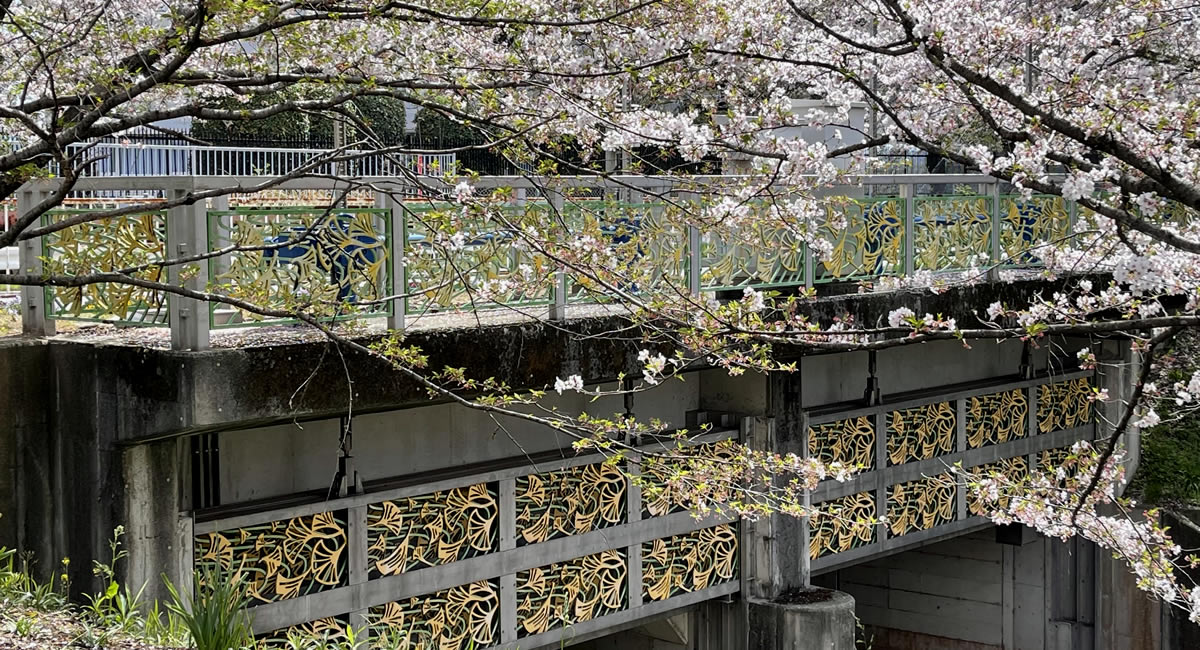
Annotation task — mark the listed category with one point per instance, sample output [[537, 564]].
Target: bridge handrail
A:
[[899, 234]]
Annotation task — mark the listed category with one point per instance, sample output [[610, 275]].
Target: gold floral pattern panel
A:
[[768, 253], [1015, 468], [850, 441], [996, 418], [659, 497], [951, 232], [570, 592], [1064, 405], [842, 524], [862, 238], [920, 505], [103, 246], [569, 501], [921, 432], [460, 618], [332, 261], [332, 629], [1028, 226], [280, 559], [690, 562], [438, 528]]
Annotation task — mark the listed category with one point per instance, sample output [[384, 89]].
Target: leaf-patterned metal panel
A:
[[861, 238], [1027, 225], [644, 243], [461, 261], [921, 432], [280, 559], [951, 232], [329, 262], [460, 618], [1064, 405], [570, 592], [850, 441], [569, 501], [1012, 468], [842, 524], [332, 629], [672, 566], [920, 505], [103, 246], [431, 529], [997, 418], [659, 496], [770, 252]]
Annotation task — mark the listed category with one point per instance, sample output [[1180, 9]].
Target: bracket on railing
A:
[[872, 395]]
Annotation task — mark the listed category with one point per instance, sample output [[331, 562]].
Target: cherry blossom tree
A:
[[1094, 102]]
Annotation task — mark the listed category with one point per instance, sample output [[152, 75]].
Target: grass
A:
[[36, 615]]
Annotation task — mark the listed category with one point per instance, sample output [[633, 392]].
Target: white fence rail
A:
[[108, 159]]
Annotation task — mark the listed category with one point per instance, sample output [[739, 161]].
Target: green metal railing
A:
[[345, 263]]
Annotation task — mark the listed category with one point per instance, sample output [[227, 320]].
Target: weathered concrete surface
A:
[[1178, 632], [827, 624], [71, 410]]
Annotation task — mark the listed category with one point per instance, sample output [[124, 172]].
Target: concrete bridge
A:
[[430, 522]]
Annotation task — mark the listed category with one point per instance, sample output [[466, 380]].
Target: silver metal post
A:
[[558, 293], [994, 234], [35, 310], [187, 234], [397, 249], [906, 192]]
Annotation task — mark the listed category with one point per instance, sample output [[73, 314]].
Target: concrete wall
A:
[[974, 593], [279, 460], [949, 590]]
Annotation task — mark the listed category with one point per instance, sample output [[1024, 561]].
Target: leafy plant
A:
[[215, 616]]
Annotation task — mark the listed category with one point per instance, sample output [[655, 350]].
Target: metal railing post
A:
[[398, 248], [35, 316], [187, 234], [994, 234], [906, 192], [558, 292]]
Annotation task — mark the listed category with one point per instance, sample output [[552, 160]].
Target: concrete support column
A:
[[158, 529], [817, 619], [777, 546]]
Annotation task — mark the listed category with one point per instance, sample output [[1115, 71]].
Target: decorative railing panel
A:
[[850, 441], [769, 255], [916, 497], [467, 616], [864, 238], [432, 529], [921, 432], [842, 524], [1066, 405], [280, 559], [331, 262], [1015, 468], [571, 592], [952, 232], [456, 260], [569, 501], [659, 497], [432, 565], [1028, 224], [997, 418], [643, 241], [690, 562], [921, 504], [119, 243]]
